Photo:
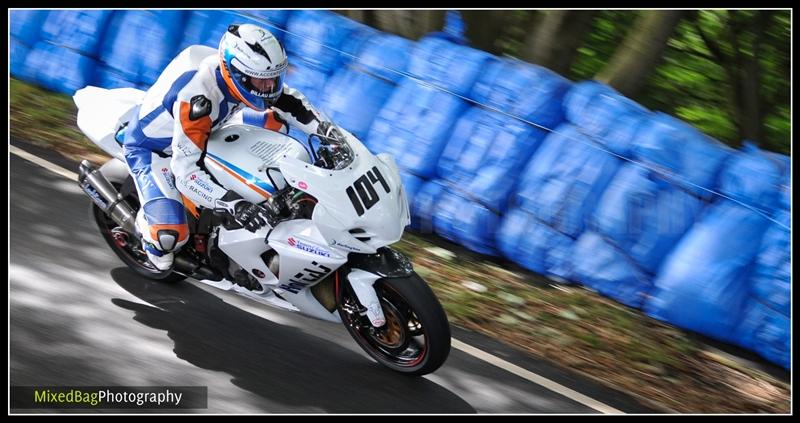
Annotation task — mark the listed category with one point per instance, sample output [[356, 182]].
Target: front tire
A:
[[416, 337], [129, 250]]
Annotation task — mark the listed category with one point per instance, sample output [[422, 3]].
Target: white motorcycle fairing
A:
[[101, 112], [359, 209]]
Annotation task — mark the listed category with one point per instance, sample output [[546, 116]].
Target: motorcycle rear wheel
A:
[[129, 250]]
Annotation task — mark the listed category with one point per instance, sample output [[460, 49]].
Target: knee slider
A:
[[168, 239]]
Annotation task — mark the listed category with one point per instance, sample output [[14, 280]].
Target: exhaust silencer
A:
[[96, 186]]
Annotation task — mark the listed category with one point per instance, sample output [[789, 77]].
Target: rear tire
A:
[[416, 337], [130, 254]]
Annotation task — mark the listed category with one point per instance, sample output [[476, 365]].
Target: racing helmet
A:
[[253, 64]]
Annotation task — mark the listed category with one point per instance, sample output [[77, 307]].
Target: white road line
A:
[[44, 163], [533, 377], [461, 346]]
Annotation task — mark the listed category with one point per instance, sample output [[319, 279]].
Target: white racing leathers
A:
[[188, 101]]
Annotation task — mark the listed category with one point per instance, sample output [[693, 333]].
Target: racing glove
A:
[[251, 216]]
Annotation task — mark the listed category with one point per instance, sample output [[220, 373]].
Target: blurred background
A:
[[643, 155]]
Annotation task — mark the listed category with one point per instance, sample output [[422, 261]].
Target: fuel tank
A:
[[243, 157]]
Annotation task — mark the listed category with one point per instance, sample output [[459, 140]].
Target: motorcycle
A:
[[328, 257]]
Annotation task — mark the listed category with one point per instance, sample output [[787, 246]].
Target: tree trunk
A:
[[749, 85], [750, 116], [483, 27], [743, 71], [366, 17], [411, 24], [635, 59], [555, 41]]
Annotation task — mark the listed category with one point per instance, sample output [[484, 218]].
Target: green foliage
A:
[[608, 31], [778, 130], [693, 85], [690, 82], [512, 36]]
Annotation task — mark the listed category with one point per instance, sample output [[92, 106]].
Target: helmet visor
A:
[[265, 86], [260, 87]]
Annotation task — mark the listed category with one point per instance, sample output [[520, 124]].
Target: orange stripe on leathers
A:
[[190, 206], [182, 230], [272, 123], [196, 130]]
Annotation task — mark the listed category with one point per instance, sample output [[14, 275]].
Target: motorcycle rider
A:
[[193, 97]]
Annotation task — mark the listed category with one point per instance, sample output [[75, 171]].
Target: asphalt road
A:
[[78, 317]]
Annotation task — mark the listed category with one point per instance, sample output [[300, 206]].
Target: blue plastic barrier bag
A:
[[598, 264], [703, 284], [26, 25], [79, 30], [772, 279], [353, 96], [681, 153]]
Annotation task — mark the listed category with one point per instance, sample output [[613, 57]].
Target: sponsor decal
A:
[[168, 177], [313, 249], [96, 197], [205, 196], [201, 183], [302, 185], [306, 277], [269, 152], [345, 246]]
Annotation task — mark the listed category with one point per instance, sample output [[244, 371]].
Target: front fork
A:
[[366, 269], [363, 283]]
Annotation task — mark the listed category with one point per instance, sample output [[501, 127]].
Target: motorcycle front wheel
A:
[[416, 337]]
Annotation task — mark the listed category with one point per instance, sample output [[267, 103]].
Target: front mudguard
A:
[[386, 263]]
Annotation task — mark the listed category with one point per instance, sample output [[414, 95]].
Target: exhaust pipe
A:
[[96, 186]]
